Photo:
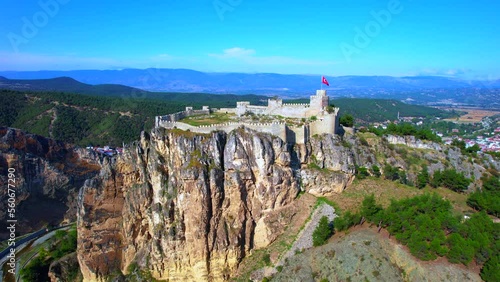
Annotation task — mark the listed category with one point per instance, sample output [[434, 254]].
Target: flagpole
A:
[[321, 82]]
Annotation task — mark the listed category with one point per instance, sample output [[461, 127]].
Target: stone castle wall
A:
[[226, 110], [298, 134], [275, 128], [328, 123], [181, 115]]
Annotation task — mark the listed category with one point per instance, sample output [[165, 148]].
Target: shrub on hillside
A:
[[376, 171], [370, 209], [362, 172], [347, 220], [347, 120], [323, 231], [423, 177]]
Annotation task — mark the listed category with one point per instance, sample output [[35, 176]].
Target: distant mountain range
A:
[[65, 84], [185, 80], [429, 90]]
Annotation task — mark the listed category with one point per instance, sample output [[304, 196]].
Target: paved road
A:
[[34, 235], [37, 238]]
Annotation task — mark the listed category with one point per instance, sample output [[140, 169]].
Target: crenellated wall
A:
[[275, 128]]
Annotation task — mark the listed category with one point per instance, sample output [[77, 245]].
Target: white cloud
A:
[[235, 52], [250, 57], [444, 72], [163, 57]]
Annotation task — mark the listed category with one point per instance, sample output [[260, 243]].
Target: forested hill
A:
[[378, 110], [65, 84], [97, 120]]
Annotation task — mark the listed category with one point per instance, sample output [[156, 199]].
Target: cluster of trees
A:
[[346, 120], [488, 198], [64, 242], [450, 179], [426, 224], [390, 173], [406, 129], [446, 127], [472, 150]]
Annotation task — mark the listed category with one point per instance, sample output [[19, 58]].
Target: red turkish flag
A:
[[323, 79]]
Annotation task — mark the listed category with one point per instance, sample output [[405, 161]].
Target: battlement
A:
[[274, 128], [298, 105]]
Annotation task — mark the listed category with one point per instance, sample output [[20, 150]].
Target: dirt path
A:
[[303, 241], [304, 238]]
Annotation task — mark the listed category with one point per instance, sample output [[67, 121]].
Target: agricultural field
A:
[[472, 115]]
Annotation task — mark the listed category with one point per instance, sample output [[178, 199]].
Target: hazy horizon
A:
[[375, 38], [233, 72]]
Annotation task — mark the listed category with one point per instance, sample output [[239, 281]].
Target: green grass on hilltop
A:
[[215, 118]]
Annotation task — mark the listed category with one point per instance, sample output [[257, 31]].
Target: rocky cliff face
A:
[[48, 175], [190, 206]]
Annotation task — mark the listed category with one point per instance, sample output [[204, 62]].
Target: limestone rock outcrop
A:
[[187, 207], [413, 142]]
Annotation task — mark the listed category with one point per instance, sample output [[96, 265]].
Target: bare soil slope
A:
[[365, 255]]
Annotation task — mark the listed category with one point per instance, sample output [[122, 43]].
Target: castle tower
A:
[[320, 100]]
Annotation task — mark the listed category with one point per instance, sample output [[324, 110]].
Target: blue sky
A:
[[342, 37]]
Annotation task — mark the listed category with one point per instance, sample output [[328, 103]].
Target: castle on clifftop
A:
[[317, 118]]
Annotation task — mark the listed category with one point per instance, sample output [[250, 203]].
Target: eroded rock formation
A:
[[48, 174], [192, 206]]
